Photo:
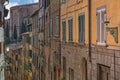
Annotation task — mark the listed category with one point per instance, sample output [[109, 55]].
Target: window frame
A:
[[101, 35], [71, 74], [63, 1]]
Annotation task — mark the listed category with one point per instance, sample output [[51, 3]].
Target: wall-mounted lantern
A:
[[113, 31]]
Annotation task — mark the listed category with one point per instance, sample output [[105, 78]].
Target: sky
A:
[[18, 2]]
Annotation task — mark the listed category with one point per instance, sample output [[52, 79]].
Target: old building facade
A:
[[74, 40], [18, 16], [35, 46], [27, 55], [41, 39], [52, 39], [3, 14], [14, 66], [105, 40]]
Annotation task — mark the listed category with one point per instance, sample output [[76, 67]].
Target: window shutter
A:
[[64, 31], [79, 19], [51, 28], [57, 26], [70, 24], [98, 26], [81, 31], [103, 29]]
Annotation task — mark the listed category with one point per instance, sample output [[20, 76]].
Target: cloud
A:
[[35, 0], [9, 6]]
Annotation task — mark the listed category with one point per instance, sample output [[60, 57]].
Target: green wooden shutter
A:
[[64, 31], [51, 28], [81, 29], [57, 27], [70, 24]]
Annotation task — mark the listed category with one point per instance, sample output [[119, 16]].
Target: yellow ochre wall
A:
[[112, 11], [73, 8]]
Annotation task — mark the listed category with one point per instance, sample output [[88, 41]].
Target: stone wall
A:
[[106, 57], [74, 54]]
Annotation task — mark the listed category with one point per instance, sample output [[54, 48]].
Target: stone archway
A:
[[84, 69]]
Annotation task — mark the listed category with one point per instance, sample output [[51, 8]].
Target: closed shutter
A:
[[98, 27], [64, 31], [51, 28], [70, 24], [57, 27], [81, 29]]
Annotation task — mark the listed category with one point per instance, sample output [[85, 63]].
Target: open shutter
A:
[[98, 26], [83, 29], [103, 29]]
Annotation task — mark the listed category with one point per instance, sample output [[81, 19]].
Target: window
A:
[[63, 30], [51, 28], [103, 72], [63, 1], [64, 68], [71, 74], [101, 30], [57, 27], [70, 26], [81, 28]]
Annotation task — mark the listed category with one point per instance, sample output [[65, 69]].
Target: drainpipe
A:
[[89, 30], [89, 36], [59, 39]]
